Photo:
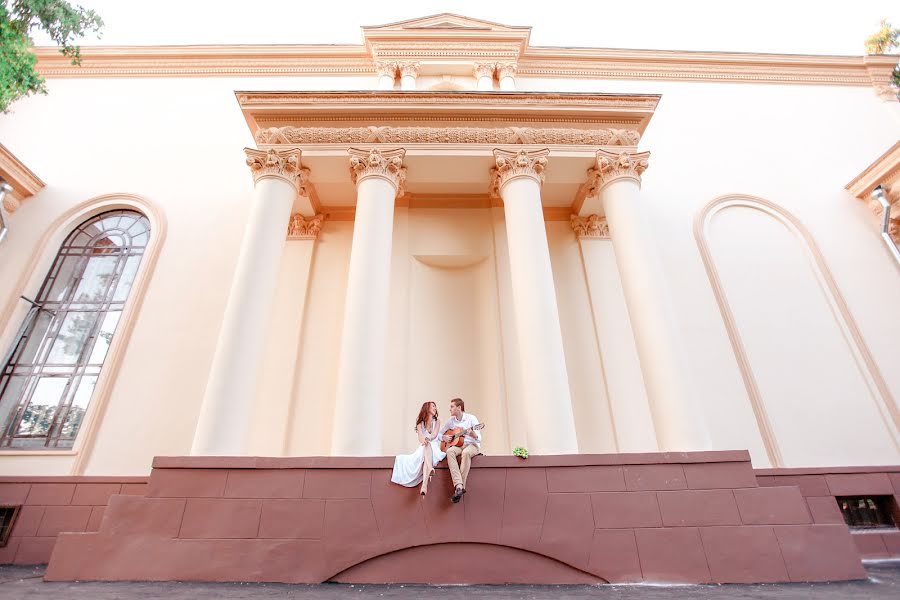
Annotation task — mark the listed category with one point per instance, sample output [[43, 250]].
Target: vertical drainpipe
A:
[[4, 189], [879, 196]]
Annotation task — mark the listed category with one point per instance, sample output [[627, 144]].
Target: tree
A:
[[883, 41], [63, 22]]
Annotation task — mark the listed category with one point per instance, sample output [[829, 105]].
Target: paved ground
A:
[[24, 583]]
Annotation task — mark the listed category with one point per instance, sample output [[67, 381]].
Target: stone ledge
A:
[[482, 461]]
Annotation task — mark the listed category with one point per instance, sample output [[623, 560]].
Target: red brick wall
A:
[[54, 504], [820, 486]]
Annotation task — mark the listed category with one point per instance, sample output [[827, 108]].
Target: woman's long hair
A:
[[424, 414]]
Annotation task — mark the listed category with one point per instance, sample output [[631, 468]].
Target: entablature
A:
[[449, 137]]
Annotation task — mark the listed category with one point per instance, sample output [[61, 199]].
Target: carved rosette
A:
[[506, 70], [302, 228], [511, 164], [484, 70], [386, 69], [591, 226], [281, 164], [613, 166], [447, 135], [386, 164], [408, 69]]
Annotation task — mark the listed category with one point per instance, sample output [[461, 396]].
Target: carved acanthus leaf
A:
[[482, 69], [409, 69], [591, 226], [612, 166], [447, 135], [506, 70], [386, 69], [387, 164], [511, 164], [283, 164], [302, 228]]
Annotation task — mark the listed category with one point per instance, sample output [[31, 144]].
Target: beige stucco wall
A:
[[178, 144]]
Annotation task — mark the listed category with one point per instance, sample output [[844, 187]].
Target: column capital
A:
[[612, 166], [386, 164], [278, 164], [304, 228], [591, 226], [482, 69], [386, 69], [511, 164], [409, 69], [506, 70]]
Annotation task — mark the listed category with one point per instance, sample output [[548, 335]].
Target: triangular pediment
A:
[[444, 21]]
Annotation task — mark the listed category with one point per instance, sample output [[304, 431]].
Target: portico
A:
[[454, 156]]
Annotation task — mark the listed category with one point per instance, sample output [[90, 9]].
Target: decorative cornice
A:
[[543, 62], [484, 69], [280, 164], [386, 164], [881, 73], [22, 180], [885, 171], [303, 228], [511, 164], [409, 69], [506, 70], [612, 166], [591, 226], [447, 135]]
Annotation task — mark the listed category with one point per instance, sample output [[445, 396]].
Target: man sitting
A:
[[471, 445]]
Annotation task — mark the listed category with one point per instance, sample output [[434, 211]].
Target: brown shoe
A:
[[457, 494]]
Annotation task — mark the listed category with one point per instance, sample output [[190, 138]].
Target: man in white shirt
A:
[[471, 445]]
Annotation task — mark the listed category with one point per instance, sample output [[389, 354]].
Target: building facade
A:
[[600, 251]]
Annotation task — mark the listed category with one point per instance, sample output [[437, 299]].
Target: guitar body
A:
[[459, 437]]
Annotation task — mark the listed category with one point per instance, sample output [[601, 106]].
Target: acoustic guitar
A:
[[458, 437]]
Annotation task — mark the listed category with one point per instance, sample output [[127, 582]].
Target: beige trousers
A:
[[458, 474]]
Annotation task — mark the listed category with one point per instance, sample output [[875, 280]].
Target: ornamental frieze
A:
[[447, 135]]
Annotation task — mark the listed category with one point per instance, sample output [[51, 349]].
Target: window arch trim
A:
[[30, 282]]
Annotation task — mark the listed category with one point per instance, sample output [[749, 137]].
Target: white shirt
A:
[[467, 421]]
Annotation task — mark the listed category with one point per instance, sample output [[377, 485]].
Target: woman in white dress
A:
[[411, 469]]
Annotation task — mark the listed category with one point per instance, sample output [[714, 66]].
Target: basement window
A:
[[8, 516], [867, 512]]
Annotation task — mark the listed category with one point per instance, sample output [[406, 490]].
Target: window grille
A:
[[53, 366], [868, 511], [8, 516]]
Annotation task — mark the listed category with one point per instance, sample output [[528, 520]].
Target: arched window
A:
[[53, 366]]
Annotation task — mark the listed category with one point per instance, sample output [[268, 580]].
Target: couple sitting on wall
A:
[[461, 437]]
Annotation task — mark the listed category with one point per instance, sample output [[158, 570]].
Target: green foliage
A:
[[520, 452], [882, 42], [885, 40], [60, 20]]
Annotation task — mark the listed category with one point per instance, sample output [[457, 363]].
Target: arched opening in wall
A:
[[817, 394], [53, 366]]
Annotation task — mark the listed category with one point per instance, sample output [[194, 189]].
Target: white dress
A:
[[408, 467]]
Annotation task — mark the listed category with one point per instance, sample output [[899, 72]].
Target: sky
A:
[[782, 26]]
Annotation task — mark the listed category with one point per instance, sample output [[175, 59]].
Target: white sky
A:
[[782, 26]]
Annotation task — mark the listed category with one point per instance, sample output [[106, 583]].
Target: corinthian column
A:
[[506, 73], [225, 415], [379, 177], [484, 75], [615, 338], [387, 73], [408, 73], [517, 179], [680, 425]]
